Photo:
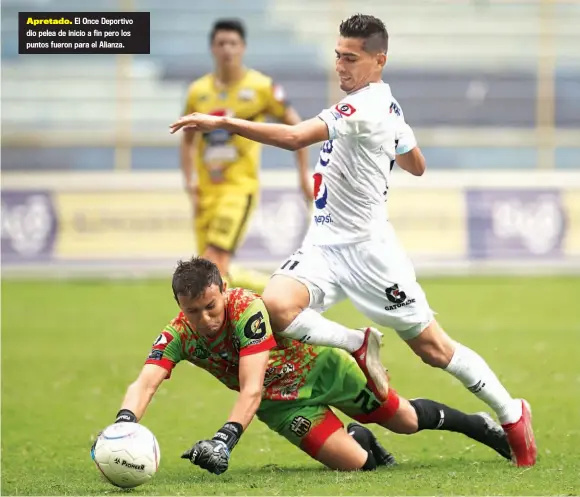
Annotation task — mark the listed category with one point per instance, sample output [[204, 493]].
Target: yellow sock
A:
[[247, 278]]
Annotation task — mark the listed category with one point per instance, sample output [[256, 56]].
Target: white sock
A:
[[471, 370], [311, 327]]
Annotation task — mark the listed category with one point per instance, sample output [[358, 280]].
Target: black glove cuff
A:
[[125, 416], [229, 434]]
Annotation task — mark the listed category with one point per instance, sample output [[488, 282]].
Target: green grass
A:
[[70, 349]]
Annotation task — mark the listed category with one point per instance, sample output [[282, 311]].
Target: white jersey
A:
[[366, 130]]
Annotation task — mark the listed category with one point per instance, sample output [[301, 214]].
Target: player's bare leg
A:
[[356, 450], [437, 349], [220, 257], [287, 301], [235, 275], [246, 278]]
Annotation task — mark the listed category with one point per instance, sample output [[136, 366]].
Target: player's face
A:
[[206, 312], [355, 67], [228, 48]]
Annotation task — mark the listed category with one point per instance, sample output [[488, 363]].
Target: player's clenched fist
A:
[[212, 455]]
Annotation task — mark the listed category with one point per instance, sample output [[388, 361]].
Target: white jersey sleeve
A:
[[343, 120]]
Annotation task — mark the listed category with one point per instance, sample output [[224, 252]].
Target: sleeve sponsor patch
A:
[[344, 109], [162, 340], [155, 355]]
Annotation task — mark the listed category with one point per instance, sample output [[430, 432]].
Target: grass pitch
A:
[[69, 350]]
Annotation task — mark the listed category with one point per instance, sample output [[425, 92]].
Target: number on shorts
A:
[[364, 397], [292, 266]]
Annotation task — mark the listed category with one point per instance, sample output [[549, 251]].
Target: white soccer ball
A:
[[127, 454]]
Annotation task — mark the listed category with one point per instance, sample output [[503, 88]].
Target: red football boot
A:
[[521, 438], [369, 360]]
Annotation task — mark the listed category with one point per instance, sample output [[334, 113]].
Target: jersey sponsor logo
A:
[[255, 328], [322, 220], [162, 340], [346, 110], [300, 425], [275, 373], [320, 191], [397, 297]]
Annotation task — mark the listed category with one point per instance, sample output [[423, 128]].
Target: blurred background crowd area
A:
[[485, 83]]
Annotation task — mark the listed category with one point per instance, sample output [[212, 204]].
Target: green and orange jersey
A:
[[246, 331]]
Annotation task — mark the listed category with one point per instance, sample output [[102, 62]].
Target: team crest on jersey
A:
[[320, 191], [346, 110]]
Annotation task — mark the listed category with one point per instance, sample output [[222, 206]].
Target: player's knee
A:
[[433, 346], [284, 300], [434, 356]]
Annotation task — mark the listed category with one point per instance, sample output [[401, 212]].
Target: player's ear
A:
[[382, 59], [224, 285]]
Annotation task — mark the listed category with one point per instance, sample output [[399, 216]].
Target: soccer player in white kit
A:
[[351, 250]]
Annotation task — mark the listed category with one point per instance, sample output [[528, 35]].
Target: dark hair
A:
[[228, 25], [370, 28], [192, 277]]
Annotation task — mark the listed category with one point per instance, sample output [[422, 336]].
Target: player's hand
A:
[[211, 455], [197, 122]]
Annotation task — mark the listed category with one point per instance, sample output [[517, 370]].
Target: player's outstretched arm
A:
[[214, 455], [251, 376], [278, 135], [140, 392]]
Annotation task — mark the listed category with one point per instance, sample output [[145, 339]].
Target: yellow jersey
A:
[[225, 161]]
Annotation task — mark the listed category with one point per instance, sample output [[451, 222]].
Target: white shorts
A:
[[377, 276]]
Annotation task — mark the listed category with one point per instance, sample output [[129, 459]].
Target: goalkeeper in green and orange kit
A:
[[289, 385]]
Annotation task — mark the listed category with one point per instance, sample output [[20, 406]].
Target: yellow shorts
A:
[[222, 220]]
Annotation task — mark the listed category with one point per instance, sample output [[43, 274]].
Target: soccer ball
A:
[[127, 454]]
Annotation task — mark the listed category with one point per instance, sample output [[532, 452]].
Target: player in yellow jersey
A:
[[221, 169]]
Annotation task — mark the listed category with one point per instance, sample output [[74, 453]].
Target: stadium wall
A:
[[105, 224]]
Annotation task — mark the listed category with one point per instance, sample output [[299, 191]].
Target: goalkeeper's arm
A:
[[252, 370], [140, 393]]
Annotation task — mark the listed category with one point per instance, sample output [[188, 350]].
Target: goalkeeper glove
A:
[[214, 455]]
